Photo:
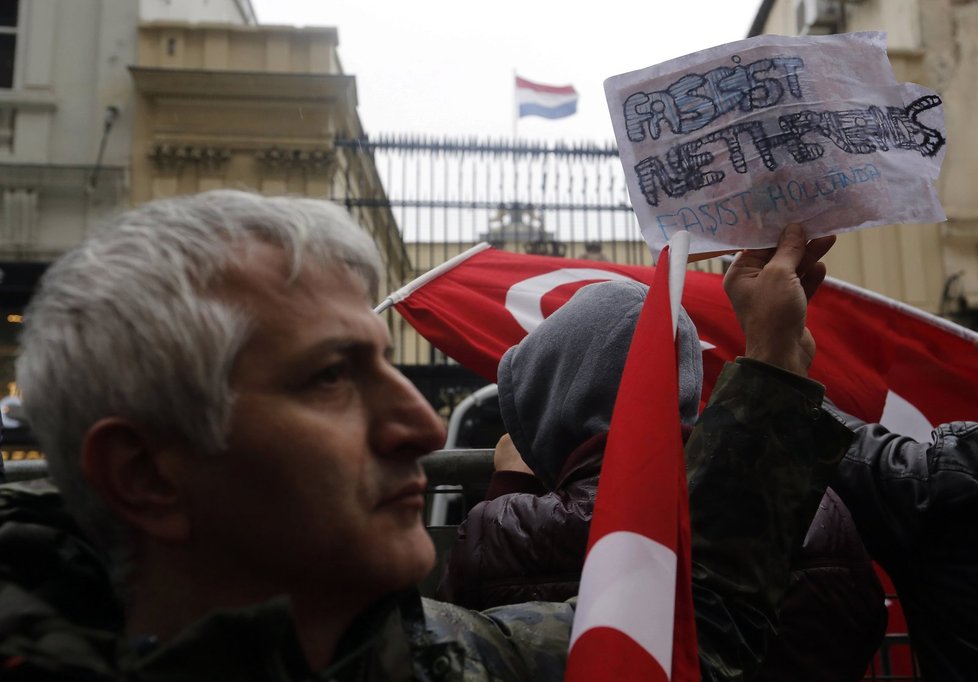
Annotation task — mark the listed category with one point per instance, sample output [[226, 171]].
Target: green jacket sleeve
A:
[[758, 462]]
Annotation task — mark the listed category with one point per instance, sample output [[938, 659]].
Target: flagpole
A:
[[905, 308], [516, 106], [941, 323], [678, 257], [436, 271]]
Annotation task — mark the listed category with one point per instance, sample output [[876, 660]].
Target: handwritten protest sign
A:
[[734, 142]]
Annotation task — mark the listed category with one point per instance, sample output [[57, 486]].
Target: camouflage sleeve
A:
[[758, 462], [516, 642]]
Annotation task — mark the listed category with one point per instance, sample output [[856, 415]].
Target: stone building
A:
[[109, 103], [934, 43]]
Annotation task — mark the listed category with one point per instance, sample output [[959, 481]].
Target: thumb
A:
[[791, 248]]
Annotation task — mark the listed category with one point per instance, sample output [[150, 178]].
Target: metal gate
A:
[[545, 198], [445, 195]]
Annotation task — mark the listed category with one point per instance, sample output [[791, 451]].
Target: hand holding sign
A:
[[769, 290], [731, 143]]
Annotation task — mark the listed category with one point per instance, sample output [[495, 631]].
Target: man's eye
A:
[[332, 374]]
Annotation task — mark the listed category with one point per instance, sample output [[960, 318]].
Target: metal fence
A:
[[456, 191], [448, 194], [541, 198]]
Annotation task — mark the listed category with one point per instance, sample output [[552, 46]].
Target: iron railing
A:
[[446, 195]]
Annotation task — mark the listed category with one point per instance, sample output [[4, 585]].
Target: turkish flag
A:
[[879, 359], [634, 618]]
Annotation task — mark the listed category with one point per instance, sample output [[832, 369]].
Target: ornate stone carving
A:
[[316, 160], [176, 156]]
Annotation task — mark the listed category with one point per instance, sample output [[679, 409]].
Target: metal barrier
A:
[[24, 469], [457, 479], [466, 468]]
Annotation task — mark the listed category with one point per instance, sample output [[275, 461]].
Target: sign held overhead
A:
[[731, 143]]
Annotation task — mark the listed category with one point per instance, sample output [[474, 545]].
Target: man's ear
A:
[[138, 477]]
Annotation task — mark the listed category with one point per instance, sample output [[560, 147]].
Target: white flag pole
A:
[[941, 323], [436, 271], [516, 106], [678, 257]]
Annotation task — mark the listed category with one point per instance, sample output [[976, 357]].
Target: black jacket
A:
[[916, 507]]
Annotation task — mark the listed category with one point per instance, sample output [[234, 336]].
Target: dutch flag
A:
[[548, 101]]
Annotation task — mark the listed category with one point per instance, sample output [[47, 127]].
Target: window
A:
[[8, 41], [19, 217]]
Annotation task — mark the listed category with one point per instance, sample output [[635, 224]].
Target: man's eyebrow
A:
[[342, 345]]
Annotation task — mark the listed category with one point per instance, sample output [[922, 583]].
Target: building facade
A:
[[252, 107], [934, 43], [106, 104]]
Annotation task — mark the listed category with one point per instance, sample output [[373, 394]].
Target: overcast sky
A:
[[446, 67]]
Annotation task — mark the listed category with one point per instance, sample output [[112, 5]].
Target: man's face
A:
[[320, 487]]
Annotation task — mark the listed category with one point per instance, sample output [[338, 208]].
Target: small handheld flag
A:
[[634, 617]]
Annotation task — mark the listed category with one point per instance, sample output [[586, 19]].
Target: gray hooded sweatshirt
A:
[[557, 387]]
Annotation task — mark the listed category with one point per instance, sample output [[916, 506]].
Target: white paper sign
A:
[[734, 142]]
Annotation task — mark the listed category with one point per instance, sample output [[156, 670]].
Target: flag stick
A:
[[516, 106], [416, 284], [941, 323], [678, 256]]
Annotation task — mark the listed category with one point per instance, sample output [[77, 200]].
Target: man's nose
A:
[[404, 425]]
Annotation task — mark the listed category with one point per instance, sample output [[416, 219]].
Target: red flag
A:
[[634, 618], [879, 359]]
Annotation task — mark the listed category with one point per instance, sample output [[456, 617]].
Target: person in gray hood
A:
[[527, 541], [557, 390], [548, 420]]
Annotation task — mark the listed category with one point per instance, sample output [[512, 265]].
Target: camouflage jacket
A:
[[758, 464]]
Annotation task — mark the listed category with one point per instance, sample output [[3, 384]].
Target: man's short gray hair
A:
[[126, 325]]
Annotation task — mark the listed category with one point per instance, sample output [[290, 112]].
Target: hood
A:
[[557, 387]]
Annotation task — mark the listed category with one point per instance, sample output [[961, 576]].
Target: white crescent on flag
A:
[[524, 300], [627, 584]]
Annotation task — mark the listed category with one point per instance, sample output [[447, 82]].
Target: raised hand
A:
[[770, 289]]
